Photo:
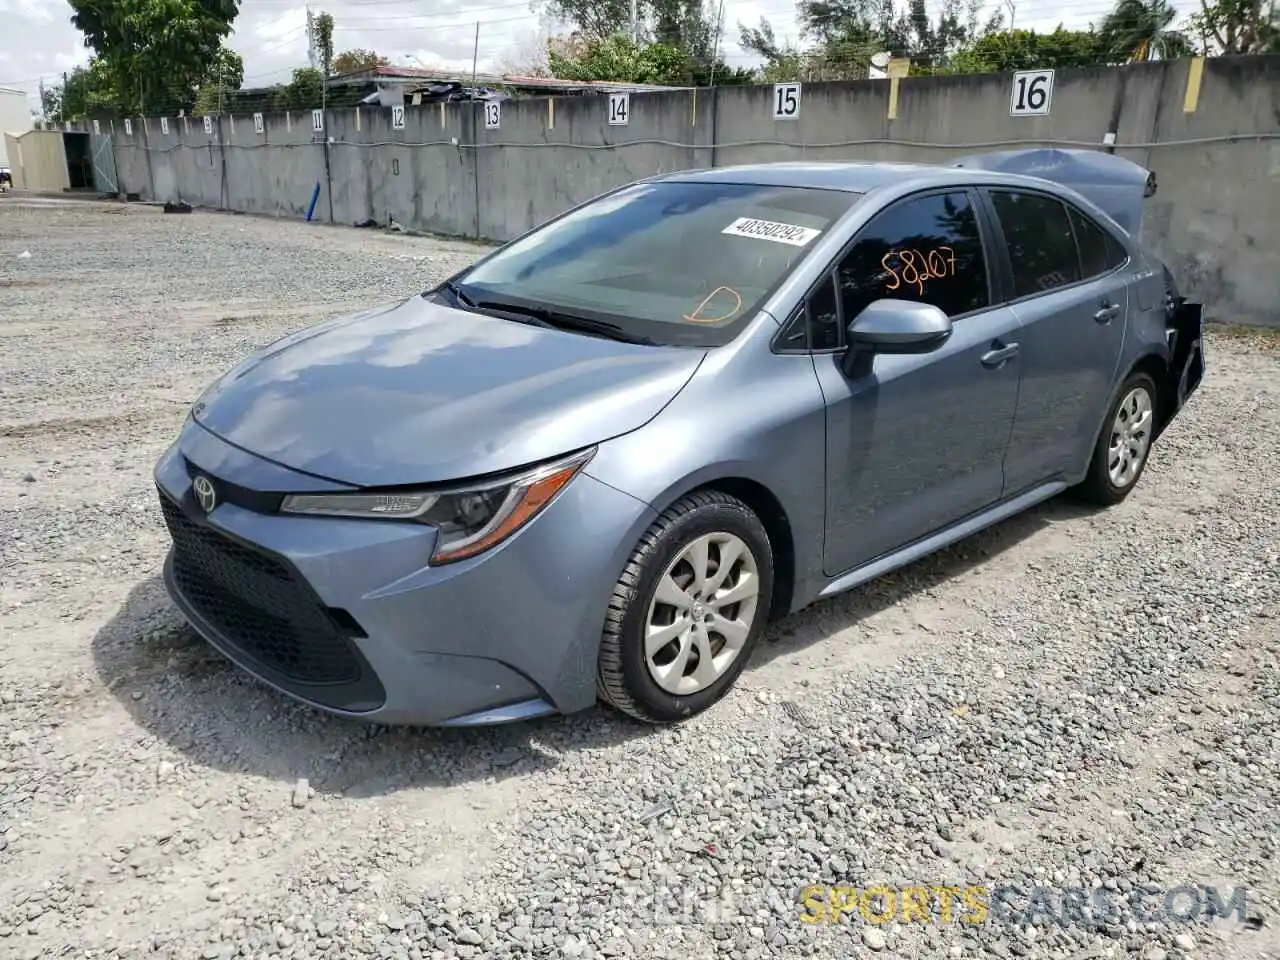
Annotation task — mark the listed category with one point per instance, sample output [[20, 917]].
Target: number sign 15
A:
[[1032, 93], [492, 114], [786, 101], [619, 109]]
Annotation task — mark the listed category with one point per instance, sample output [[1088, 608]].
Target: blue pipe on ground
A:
[[315, 195]]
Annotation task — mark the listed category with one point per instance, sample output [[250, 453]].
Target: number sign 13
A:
[[1032, 93], [493, 114], [786, 101]]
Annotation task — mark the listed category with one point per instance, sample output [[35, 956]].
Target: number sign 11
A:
[[1032, 93]]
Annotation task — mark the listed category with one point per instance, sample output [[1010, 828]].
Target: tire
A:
[[1102, 485], [626, 679]]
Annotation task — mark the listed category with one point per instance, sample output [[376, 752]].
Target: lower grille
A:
[[257, 604]]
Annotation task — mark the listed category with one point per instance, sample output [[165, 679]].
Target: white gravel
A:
[[1072, 699]]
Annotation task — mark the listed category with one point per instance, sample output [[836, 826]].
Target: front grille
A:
[[257, 604]]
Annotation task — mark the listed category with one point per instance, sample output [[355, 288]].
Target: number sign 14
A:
[[619, 109], [786, 101], [1032, 93], [492, 114]]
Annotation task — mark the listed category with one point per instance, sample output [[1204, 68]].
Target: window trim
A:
[[1002, 244], [995, 287], [1083, 215]]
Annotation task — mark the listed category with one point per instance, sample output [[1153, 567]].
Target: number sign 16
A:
[[786, 101], [492, 114], [619, 109], [1032, 93]]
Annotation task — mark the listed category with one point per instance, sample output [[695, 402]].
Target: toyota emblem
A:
[[206, 496]]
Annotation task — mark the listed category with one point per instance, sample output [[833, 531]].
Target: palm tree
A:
[[1140, 30]]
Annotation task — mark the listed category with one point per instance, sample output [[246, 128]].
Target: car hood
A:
[[418, 392]]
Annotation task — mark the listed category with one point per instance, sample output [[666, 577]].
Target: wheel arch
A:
[[766, 505], [1157, 368]]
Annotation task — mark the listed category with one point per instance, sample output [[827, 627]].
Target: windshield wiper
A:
[[458, 295], [559, 320]]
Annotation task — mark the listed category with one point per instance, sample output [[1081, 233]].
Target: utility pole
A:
[[311, 39], [475, 56], [635, 22], [42, 115]]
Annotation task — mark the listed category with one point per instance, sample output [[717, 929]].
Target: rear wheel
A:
[[1124, 445], [687, 610]]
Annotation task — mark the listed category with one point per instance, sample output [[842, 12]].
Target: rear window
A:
[[676, 262]]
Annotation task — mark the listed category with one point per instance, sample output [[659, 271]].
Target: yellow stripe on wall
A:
[[1194, 77]]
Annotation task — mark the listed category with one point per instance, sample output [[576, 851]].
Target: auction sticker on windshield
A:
[[787, 233]]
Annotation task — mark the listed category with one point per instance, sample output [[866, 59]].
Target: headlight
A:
[[469, 519]]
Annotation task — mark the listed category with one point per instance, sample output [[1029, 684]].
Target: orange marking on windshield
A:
[[696, 315]]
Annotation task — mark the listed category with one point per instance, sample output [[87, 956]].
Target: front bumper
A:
[[346, 615]]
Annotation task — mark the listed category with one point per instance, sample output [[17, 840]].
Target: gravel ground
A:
[[1073, 699]]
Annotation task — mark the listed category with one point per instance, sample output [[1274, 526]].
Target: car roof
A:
[[852, 176]]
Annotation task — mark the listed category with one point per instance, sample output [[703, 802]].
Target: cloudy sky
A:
[[37, 41]]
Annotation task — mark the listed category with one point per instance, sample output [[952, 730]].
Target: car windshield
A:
[[669, 262]]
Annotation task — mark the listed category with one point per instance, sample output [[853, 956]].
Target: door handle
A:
[[999, 356], [1107, 312]]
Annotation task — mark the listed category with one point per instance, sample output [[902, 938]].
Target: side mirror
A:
[[895, 326]]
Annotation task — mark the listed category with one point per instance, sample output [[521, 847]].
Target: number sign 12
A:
[[1032, 93], [619, 109], [492, 114], [786, 101], [397, 117]]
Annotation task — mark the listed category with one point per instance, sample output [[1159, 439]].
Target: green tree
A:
[[1006, 51], [1238, 26], [157, 51], [225, 76], [617, 58], [843, 35], [1142, 30], [322, 30], [358, 61], [86, 92], [304, 92]]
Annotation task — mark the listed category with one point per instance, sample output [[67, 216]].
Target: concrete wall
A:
[[1216, 216]]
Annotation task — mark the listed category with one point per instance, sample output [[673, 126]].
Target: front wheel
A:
[[1120, 455], [687, 610]]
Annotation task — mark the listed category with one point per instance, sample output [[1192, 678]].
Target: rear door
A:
[[1069, 289]]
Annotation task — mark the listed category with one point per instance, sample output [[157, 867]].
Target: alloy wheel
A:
[[701, 613], [1130, 437]]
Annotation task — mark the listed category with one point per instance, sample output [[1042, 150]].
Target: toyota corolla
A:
[[596, 463]]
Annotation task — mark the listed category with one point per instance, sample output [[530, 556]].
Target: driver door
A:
[[914, 442]]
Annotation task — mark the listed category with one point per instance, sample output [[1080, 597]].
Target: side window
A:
[[1042, 248], [1100, 252], [926, 249]]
